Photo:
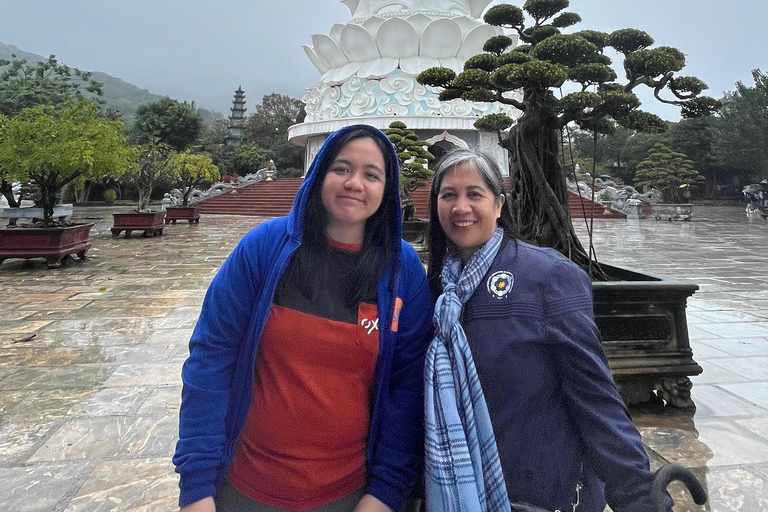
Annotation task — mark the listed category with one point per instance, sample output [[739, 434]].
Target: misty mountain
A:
[[118, 94]]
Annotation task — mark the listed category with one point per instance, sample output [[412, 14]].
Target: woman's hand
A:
[[371, 504], [204, 505]]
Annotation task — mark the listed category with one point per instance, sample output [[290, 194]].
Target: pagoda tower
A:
[[237, 119]]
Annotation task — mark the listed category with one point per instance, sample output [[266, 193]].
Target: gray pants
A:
[[230, 499]]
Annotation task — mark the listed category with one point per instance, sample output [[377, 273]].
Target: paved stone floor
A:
[[90, 358]]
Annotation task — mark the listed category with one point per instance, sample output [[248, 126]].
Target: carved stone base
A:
[[673, 392]]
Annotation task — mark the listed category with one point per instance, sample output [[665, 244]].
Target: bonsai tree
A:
[[55, 147], [528, 77], [153, 163], [670, 173], [414, 158], [189, 171]]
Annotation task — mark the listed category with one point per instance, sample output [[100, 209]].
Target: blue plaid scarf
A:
[[463, 471]]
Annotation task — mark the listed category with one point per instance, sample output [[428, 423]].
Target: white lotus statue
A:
[[412, 35], [369, 64]]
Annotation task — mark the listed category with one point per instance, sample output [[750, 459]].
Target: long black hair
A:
[[378, 238], [437, 241]]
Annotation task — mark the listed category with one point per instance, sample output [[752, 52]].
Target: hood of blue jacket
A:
[[390, 200]]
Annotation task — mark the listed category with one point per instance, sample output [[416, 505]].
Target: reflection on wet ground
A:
[[725, 442], [90, 357]]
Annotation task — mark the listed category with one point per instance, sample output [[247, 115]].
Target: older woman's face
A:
[[467, 209]]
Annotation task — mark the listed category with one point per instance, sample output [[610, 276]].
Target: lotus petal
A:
[[457, 65], [352, 5], [396, 38], [378, 68], [372, 24], [466, 24], [474, 41], [314, 59], [337, 76], [358, 44], [476, 7], [419, 22], [326, 49], [441, 39], [415, 65], [335, 32]]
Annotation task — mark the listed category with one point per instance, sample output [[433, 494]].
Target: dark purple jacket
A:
[[555, 410]]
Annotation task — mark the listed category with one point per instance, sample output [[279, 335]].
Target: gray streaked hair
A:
[[480, 160]]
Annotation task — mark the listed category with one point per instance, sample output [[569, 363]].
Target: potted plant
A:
[[52, 148], [673, 175], [531, 78], [188, 171], [414, 159], [153, 161]]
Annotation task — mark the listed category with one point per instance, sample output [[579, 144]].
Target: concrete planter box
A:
[[49, 243], [151, 223], [645, 335], [188, 213], [14, 214], [670, 211], [415, 232]]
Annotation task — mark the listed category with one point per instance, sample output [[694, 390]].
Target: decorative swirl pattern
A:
[[396, 94]]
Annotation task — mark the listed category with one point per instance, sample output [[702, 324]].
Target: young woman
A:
[[539, 415], [302, 390]]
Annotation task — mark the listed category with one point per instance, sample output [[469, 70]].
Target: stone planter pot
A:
[[672, 211], [49, 243], [645, 335], [188, 213], [151, 223], [415, 233], [60, 212]]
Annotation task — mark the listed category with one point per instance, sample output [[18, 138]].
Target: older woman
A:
[[521, 406]]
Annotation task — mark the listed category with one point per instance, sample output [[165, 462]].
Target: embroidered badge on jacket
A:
[[500, 283]]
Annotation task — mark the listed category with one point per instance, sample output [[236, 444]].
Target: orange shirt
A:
[[304, 442]]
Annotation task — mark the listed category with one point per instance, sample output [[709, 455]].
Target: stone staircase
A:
[[275, 199]]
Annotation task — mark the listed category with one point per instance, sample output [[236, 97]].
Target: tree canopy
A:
[[189, 171], [669, 172], [172, 122], [267, 128], [56, 147], [24, 85], [533, 76], [153, 165]]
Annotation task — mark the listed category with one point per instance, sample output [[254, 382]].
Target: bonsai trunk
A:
[[185, 196], [6, 189], [539, 196], [144, 198]]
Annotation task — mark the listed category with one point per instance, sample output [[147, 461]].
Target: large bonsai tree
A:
[[189, 171], [669, 172], [532, 77], [55, 147], [414, 158]]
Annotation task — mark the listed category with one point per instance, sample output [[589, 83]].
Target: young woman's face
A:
[[467, 209], [353, 189]]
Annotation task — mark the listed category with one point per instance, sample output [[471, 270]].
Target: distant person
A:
[[538, 421], [303, 386]]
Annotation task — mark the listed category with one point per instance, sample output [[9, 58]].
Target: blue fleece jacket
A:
[[218, 375], [556, 414]]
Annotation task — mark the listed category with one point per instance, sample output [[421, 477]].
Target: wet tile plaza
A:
[[90, 358]]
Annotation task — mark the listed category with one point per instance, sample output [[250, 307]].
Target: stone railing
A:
[[264, 174]]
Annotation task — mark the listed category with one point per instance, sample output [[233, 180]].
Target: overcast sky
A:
[[202, 50]]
